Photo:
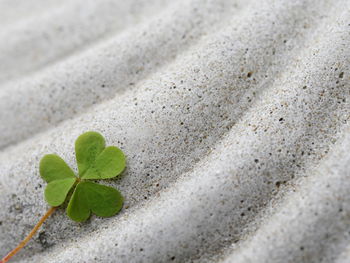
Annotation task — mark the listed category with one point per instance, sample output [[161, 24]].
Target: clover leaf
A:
[[95, 161]]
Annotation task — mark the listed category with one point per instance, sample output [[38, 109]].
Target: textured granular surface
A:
[[233, 115]]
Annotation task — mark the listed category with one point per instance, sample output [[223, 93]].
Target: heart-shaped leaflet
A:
[[102, 200]]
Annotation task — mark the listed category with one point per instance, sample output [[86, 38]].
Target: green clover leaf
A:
[[95, 161]]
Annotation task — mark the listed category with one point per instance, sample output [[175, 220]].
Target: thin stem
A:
[[31, 234]]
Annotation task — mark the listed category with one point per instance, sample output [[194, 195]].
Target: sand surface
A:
[[233, 114]]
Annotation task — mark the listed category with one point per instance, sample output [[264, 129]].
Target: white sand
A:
[[233, 115]]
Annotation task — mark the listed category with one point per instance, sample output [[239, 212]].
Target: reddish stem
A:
[[31, 234]]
